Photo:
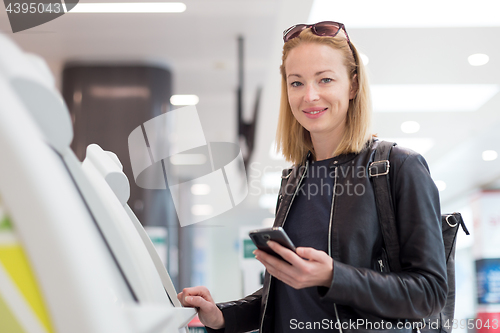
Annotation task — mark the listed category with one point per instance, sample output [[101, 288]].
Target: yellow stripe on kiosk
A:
[[16, 265]]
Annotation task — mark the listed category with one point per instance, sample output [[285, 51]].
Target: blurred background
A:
[[434, 70]]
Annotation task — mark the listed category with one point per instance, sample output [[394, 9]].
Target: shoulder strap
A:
[[379, 174]]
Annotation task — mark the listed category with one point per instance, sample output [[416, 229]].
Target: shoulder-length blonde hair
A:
[[293, 140]]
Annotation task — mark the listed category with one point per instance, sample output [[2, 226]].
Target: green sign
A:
[[248, 248]]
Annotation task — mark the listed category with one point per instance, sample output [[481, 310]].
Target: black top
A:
[[307, 225]]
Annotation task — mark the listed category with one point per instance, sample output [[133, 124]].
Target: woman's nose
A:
[[312, 93]]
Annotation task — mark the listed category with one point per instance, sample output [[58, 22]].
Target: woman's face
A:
[[319, 88]]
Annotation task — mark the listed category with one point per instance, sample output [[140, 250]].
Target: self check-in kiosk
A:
[[73, 257]]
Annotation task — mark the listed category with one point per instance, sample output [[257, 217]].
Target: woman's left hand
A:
[[298, 273]]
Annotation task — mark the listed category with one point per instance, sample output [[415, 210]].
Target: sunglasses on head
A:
[[323, 29]]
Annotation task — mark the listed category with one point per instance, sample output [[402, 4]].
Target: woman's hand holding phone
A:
[[199, 297], [295, 271]]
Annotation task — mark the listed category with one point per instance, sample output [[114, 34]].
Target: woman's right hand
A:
[[199, 297]]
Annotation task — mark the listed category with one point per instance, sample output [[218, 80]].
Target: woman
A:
[[338, 280]]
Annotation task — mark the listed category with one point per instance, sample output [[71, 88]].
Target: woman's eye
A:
[[295, 84], [326, 80]]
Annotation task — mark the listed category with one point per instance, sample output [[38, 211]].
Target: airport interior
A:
[[138, 150]]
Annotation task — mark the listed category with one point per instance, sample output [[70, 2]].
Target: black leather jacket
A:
[[362, 286]]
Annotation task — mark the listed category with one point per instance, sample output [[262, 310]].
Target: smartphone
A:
[[276, 234]]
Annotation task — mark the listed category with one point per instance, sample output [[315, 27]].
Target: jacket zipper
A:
[[382, 259], [331, 215], [330, 242], [284, 219], [381, 263]]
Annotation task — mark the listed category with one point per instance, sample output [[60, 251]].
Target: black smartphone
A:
[[276, 234]]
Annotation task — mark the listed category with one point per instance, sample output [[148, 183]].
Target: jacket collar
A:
[[340, 159], [298, 170]]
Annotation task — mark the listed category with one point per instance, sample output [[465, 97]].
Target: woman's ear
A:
[[354, 87]]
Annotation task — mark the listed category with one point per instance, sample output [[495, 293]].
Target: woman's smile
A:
[[314, 112]]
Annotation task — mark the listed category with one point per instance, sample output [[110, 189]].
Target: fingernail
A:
[[187, 299], [254, 251]]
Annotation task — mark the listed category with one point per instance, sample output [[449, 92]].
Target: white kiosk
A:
[[73, 257]]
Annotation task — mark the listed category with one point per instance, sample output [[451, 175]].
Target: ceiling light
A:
[[431, 97], [420, 145], [408, 14], [118, 92], [130, 7], [410, 127], [441, 185], [200, 210], [490, 155], [188, 159], [364, 58], [200, 189], [478, 59], [184, 100]]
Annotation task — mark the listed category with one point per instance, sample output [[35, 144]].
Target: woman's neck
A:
[[325, 145]]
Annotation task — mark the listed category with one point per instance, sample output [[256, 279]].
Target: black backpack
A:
[[379, 174]]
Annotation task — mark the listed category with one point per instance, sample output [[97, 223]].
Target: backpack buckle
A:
[[449, 223], [379, 168]]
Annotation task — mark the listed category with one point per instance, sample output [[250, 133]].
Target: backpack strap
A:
[[379, 174]]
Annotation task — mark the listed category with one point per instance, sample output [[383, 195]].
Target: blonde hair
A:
[[293, 140]]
